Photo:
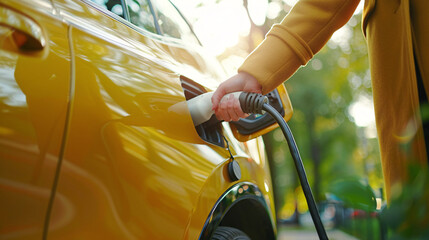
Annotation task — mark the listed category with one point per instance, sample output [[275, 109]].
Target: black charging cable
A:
[[257, 103]]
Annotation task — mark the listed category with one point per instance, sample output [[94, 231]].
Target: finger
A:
[[232, 102], [233, 84], [222, 111], [238, 111], [217, 96]]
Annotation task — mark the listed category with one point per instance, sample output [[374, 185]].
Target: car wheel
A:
[[229, 233]]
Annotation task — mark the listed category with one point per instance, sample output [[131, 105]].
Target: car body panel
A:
[[133, 165], [34, 100]]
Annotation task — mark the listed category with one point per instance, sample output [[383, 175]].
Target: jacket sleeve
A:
[[293, 42]]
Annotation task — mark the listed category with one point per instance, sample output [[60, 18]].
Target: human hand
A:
[[230, 109]]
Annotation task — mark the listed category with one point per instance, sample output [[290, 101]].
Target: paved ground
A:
[[293, 233]]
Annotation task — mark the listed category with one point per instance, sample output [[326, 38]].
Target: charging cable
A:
[[257, 103]]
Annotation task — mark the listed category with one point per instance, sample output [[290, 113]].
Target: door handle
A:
[[19, 32]]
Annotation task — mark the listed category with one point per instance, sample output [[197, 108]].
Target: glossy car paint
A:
[[97, 122], [34, 98]]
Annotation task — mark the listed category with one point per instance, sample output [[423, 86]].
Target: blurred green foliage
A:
[[354, 193], [407, 216]]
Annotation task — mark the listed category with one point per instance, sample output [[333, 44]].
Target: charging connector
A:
[[257, 103], [252, 102]]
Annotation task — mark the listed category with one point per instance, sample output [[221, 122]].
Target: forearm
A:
[[293, 42]]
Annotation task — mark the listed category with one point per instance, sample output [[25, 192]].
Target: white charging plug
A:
[[200, 106]]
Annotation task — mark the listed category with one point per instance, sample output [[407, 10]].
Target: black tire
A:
[[229, 233]]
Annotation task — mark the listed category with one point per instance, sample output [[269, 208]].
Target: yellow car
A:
[[96, 140]]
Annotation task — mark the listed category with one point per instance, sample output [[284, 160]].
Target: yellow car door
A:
[[34, 101]]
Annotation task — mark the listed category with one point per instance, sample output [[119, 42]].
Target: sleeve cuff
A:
[[277, 58]]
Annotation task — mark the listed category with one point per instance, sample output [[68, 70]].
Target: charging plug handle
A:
[[256, 103], [252, 102]]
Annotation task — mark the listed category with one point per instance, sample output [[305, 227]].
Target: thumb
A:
[[217, 96]]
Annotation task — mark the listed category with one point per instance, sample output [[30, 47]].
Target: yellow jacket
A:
[[394, 28]]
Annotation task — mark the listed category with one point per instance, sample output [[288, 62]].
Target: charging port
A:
[[210, 131], [255, 121]]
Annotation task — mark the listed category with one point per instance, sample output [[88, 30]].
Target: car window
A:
[[115, 6], [140, 14], [172, 23]]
